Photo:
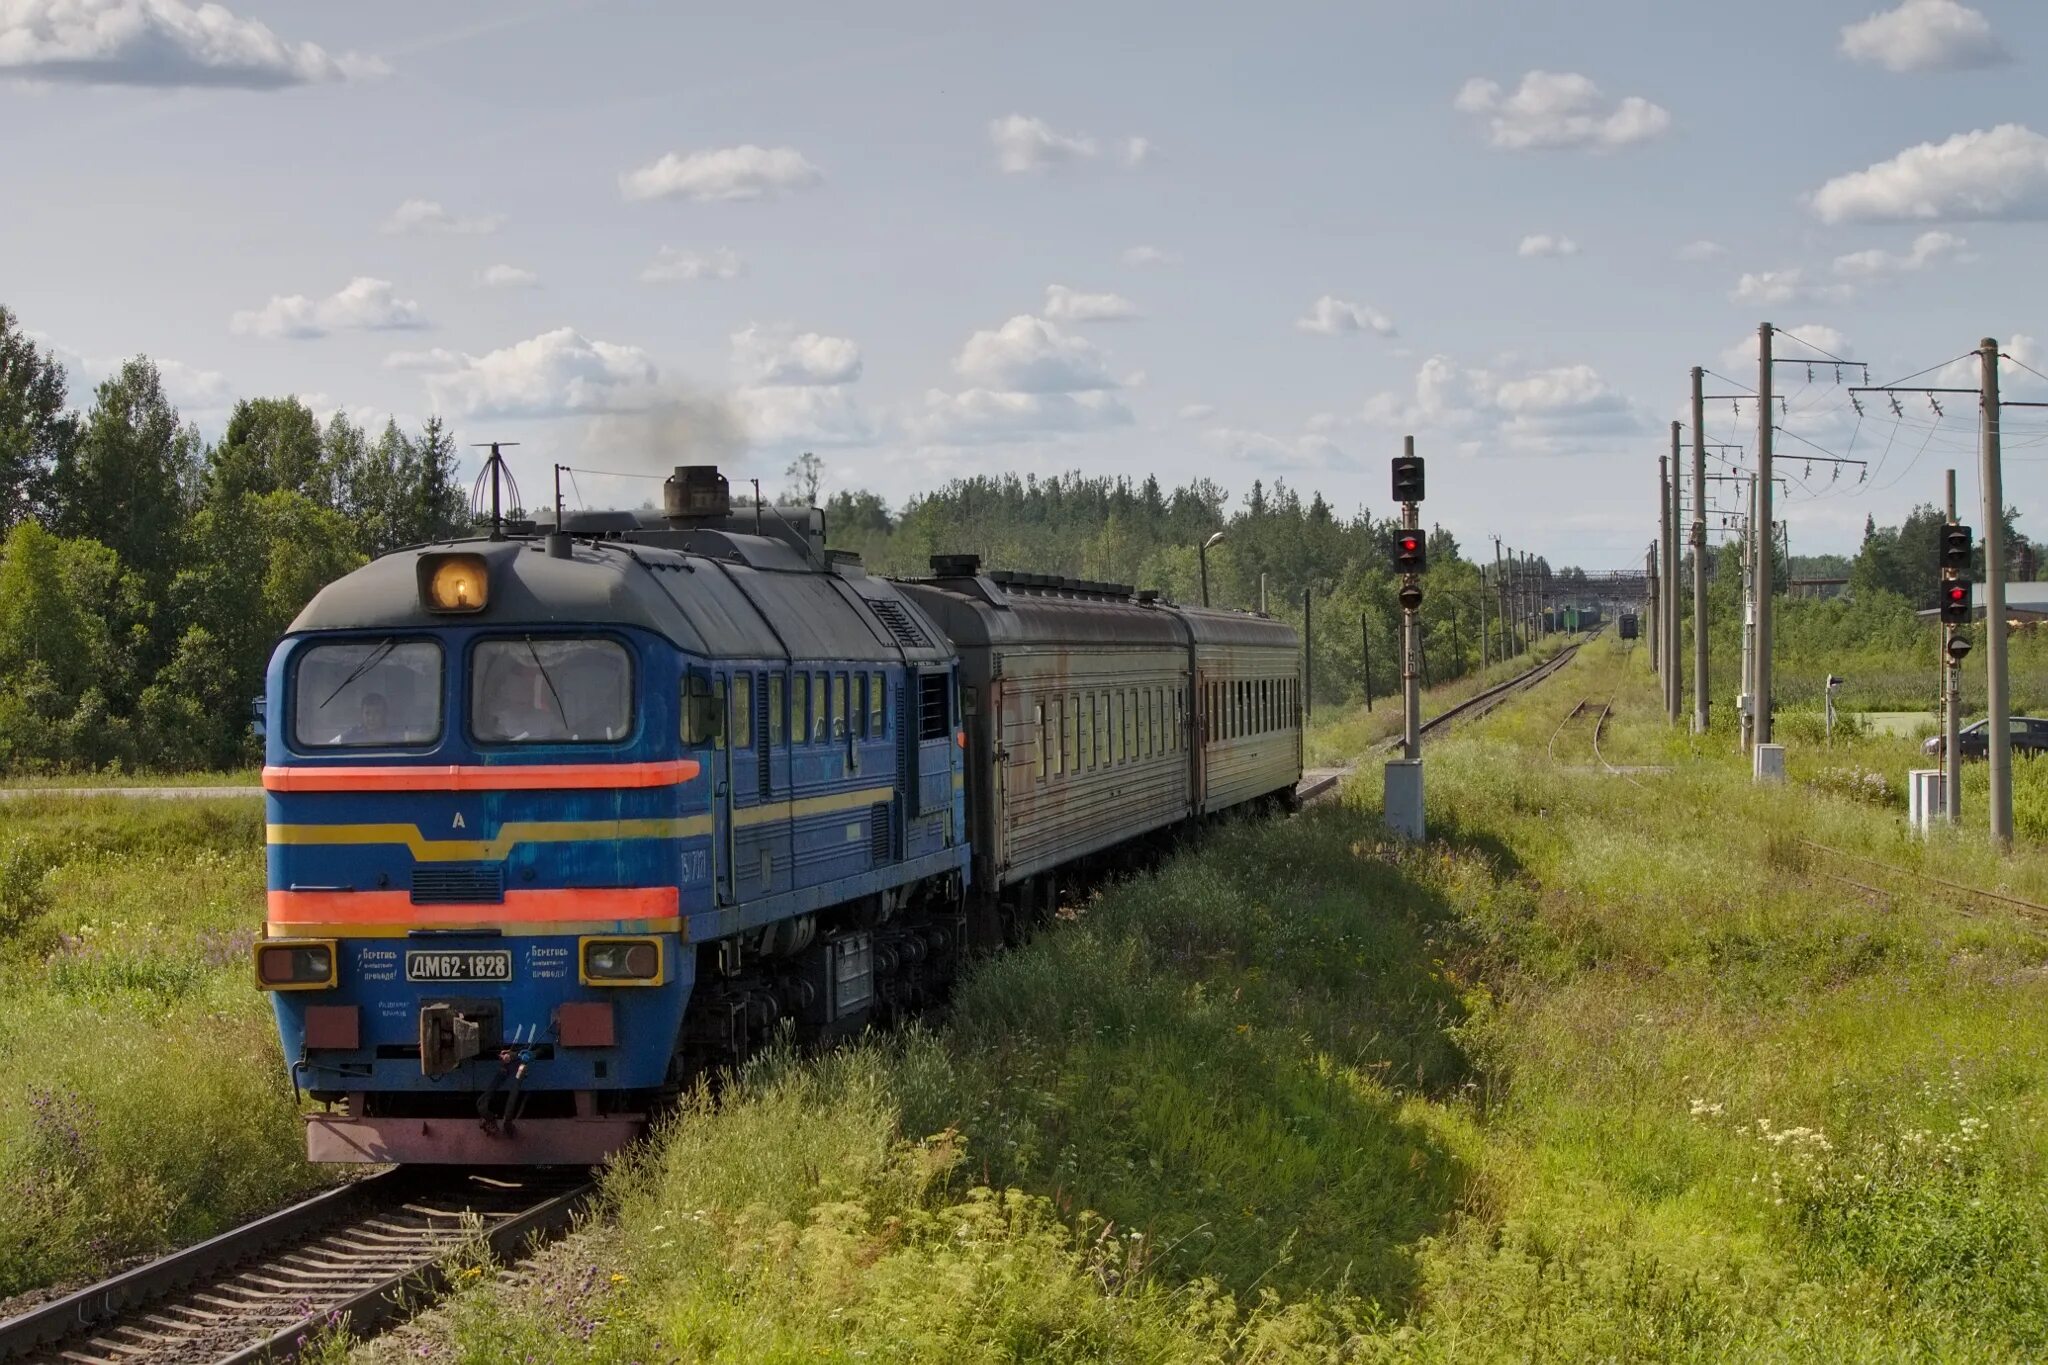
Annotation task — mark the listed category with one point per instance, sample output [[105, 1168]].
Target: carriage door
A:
[[705, 739]]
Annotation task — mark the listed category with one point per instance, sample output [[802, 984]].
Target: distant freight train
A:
[[557, 822], [1627, 625]]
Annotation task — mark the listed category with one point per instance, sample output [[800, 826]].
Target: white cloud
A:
[[1702, 250], [1768, 288], [1992, 173], [190, 388], [1026, 380], [803, 415], [1739, 359], [744, 172], [1544, 244], [1028, 355], [1147, 254], [507, 277], [779, 356], [1197, 412], [671, 266], [161, 43], [1307, 452], [990, 417], [363, 304], [1066, 305], [1334, 316], [1559, 109], [1924, 35], [2012, 379], [1552, 411], [1928, 249], [555, 374], [426, 216], [1031, 144]]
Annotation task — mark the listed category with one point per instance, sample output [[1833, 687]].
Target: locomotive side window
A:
[[742, 710], [774, 709], [840, 721], [556, 690], [821, 707], [860, 705], [799, 708], [878, 698], [367, 692]]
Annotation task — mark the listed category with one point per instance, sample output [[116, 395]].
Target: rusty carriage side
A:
[[1077, 700], [1248, 708]]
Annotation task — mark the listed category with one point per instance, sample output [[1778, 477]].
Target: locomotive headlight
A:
[[295, 964], [621, 962], [454, 583]]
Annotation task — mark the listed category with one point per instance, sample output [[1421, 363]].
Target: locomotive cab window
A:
[[367, 694], [702, 703], [550, 690]]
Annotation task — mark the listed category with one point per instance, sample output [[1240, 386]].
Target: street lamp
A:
[[1203, 552]]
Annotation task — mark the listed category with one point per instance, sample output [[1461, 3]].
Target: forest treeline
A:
[[146, 572]]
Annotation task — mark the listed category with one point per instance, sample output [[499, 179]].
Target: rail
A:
[[364, 1255]]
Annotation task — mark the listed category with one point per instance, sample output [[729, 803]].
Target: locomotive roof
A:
[[757, 599]]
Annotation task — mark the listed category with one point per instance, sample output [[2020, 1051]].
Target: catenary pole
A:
[[1998, 702], [1663, 637], [1699, 552], [1765, 536]]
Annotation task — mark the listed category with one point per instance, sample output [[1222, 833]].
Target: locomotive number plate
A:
[[489, 966]]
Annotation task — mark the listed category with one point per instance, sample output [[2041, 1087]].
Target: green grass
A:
[[143, 1102], [1336, 735], [119, 777], [1603, 1071]]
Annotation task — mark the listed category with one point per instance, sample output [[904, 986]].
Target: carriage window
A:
[[1060, 734], [821, 705], [774, 709], [877, 700], [1087, 731], [839, 714], [742, 710], [799, 708], [538, 690], [1044, 749], [368, 692]]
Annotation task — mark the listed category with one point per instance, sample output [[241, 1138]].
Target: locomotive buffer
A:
[[1403, 789]]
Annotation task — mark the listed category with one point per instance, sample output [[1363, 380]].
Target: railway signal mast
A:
[[1403, 791], [1955, 645]]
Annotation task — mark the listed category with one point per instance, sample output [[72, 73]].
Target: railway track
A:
[[361, 1257], [1320, 783]]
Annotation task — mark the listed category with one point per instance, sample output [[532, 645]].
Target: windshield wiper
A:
[[376, 657], [560, 709]]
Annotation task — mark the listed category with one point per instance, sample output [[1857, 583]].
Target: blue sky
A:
[[1135, 239]]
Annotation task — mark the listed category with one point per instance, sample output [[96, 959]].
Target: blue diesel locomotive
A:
[[557, 822]]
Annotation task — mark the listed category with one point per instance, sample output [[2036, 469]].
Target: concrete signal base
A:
[[1403, 799], [1770, 763]]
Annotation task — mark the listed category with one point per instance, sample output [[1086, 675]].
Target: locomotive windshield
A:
[[367, 694], [550, 691]]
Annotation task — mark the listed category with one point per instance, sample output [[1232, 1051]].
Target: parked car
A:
[[2029, 736]]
